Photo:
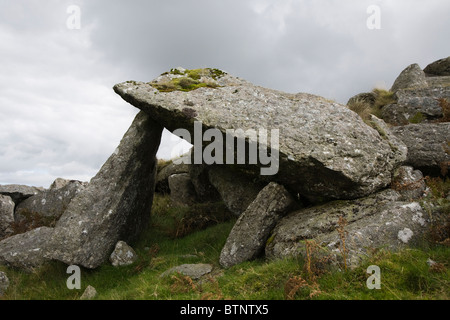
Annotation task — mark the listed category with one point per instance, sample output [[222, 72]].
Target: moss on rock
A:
[[179, 79]]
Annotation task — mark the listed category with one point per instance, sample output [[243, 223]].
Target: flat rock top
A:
[[195, 271], [19, 192], [233, 103], [325, 149]]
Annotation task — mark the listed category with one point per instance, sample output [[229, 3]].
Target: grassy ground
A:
[[404, 275]]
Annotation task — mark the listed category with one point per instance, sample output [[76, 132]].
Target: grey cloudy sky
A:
[[59, 116]]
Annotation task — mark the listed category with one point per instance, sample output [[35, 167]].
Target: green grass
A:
[[404, 275], [417, 118]]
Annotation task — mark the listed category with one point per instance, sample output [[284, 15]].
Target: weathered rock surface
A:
[[6, 216], [89, 293], [438, 68], [4, 283], [438, 81], [60, 183], [26, 251], [205, 191], [48, 206], [116, 204], [409, 183], [19, 193], [162, 179], [248, 237], [182, 191], [385, 132], [428, 145], [380, 220], [412, 77], [194, 271], [236, 190], [123, 255], [416, 106], [326, 151]]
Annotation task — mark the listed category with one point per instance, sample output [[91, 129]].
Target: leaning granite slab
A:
[[378, 221], [249, 235], [115, 205], [326, 150]]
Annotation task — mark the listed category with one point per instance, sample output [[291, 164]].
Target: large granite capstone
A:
[[326, 150]]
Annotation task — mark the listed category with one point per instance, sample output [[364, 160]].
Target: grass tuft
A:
[[365, 108]]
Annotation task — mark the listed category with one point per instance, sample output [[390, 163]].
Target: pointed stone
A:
[[412, 77], [123, 255], [116, 204]]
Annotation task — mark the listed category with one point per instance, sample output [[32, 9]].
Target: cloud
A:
[[61, 118], [59, 115]]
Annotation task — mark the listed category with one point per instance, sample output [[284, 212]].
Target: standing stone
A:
[[249, 235], [4, 283], [115, 205], [6, 216], [123, 255], [326, 151], [182, 190], [412, 77]]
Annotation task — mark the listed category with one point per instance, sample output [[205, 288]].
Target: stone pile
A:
[[315, 165]]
